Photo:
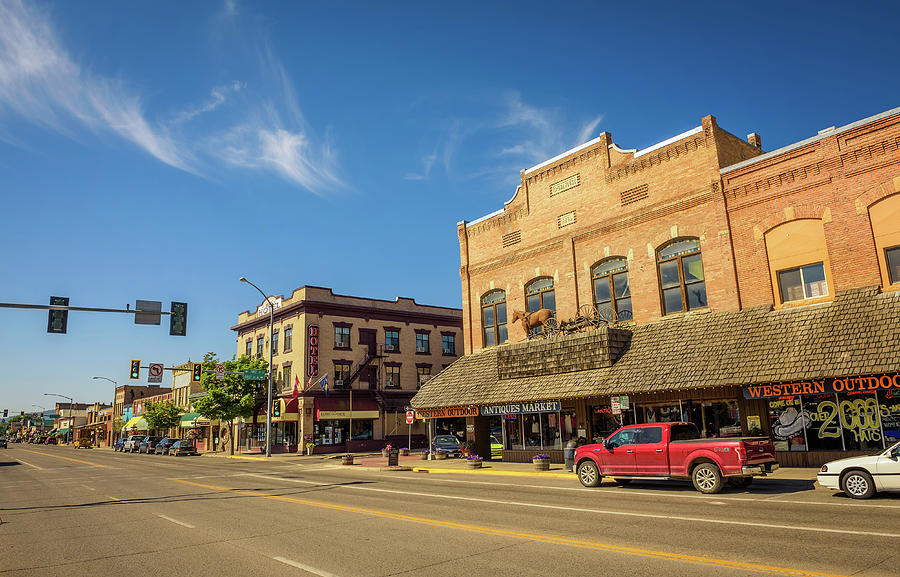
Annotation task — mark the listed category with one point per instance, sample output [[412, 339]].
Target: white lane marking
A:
[[113, 498], [88, 487], [717, 503], [29, 464], [631, 491], [306, 568], [587, 510], [176, 521]]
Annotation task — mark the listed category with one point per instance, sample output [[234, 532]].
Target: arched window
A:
[[493, 318], [611, 288], [885, 218], [539, 295], [681, 281]]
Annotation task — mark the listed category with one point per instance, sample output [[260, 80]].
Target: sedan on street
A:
[[162, 447], [148, 445], [862, 477], [183, 447]]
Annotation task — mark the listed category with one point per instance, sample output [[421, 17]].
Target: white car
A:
[[861, 477]]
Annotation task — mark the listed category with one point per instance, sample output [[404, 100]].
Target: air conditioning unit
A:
[[389, 347], [338, 383]]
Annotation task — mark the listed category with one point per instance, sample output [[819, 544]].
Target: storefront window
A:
[[514, 432], [667, 413], [363, 429], [568, 425], [890, 415], [551, 437], [858, 414], [824, 430], [330, 432], [788, 420], [721, 419], [531, 424]]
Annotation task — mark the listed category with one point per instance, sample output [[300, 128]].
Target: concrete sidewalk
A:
[[374, 461]]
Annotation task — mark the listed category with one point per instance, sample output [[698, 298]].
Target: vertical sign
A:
[[312, 347], [616, 404]]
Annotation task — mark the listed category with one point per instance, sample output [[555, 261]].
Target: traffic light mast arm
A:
[[68, 308]]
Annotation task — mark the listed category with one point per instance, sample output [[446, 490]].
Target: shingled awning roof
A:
[[856, 334]]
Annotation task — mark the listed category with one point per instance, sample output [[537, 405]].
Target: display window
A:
[[568, 425], [889, 407]]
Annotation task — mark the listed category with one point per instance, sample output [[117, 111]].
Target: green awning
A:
[[62, 432], [189, 420]]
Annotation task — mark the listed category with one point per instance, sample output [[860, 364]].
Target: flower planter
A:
[[440, 456], [384, 452], [541, 464], [404, 452], [347, 460], [474, 463], [424, 456]]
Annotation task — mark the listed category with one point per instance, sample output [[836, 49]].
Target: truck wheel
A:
[[858, 484], [622, 482], [740, 482], [706, 478], [589, 474]]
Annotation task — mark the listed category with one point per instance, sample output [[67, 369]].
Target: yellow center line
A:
[[522, 535], [66, 458]]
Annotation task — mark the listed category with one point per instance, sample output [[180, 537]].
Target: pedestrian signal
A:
[[135, 370], [196, 372]]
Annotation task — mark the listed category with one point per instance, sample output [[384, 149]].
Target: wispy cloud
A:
[[588, 130], [427, 162], [42, 84]]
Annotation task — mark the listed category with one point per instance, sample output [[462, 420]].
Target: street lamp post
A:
[[42, 408], [111, 434], [71, 414], [269, 393]]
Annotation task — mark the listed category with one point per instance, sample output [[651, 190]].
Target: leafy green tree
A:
[[162, 416], [230, 398]]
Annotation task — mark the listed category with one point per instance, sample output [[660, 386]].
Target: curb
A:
[[495, 473]]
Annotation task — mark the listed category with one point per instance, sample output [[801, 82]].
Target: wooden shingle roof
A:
[[856, 334]]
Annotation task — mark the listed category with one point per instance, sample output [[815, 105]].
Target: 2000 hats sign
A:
[[830, 385]]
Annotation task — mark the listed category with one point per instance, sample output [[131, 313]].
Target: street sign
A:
[[154, 374], [150, 312], [410, 417], [623, 400], [220, 372], [616, 404], [254, 374]]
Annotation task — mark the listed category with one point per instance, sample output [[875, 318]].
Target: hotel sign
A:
[[312, 347], [445, 412], [263, 309], [825, 386], [521, 408]]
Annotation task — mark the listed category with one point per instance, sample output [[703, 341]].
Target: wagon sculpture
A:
[[544, 324]]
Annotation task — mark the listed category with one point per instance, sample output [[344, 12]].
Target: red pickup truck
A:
[[675, 451]]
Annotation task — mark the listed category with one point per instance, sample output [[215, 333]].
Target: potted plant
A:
[[309, 447], [468, 448], [347, 459], [439, 454], [404, 452], [541, 462], [473, 462], [425, 455], [386, 450]]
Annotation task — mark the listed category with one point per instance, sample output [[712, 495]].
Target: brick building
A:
[[712, 262], [123, 405], [372, 352]]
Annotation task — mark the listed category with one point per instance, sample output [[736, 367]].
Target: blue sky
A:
[[162, 150]]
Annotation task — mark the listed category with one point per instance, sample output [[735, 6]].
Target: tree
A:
[[230, 398], [162, 416]]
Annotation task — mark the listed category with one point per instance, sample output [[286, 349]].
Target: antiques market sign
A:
[[520, 408]]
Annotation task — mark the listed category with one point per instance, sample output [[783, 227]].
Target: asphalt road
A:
[[65, 512]]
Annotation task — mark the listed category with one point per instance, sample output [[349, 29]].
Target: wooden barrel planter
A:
[[474, 463], [541, 463], [347, 460]]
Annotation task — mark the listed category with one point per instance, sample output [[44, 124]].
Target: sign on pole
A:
[[220, 372], [616, 405], [623, 400], [154, 374], [254, 374], [410, 417], [149, 314]]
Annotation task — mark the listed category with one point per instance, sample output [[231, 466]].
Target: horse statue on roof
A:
[[544, 318]]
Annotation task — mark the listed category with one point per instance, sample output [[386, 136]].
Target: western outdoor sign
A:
[[520, 408], [868, 384], [444, 412]]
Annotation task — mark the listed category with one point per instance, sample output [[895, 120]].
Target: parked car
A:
[[448, 444], [148, 444], [131, 443], [675, 451], [163, 446], [84, 444], [862, 477], [183, 447], [50, 441], [3, 443], [120, 442]]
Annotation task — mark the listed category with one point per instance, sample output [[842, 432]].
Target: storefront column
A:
[[481, 436]]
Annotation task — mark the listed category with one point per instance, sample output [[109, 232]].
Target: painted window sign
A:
[[521, 408], [830, 385], [312, 339]]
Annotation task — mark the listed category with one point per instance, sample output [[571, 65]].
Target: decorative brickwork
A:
[[635, 194], [512, 238]]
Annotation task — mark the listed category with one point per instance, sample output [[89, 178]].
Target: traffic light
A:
[[178, 319], [58, 319], [196, 373], [276, 407], [135, 370]]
